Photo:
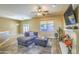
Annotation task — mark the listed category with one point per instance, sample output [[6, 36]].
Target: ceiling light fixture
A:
[[41, 11]]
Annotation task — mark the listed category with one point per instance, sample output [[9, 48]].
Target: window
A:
[[25, 28], [47, 26]]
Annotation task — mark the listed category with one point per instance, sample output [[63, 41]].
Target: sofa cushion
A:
[[41, 42], [26, 34], [35, 33]]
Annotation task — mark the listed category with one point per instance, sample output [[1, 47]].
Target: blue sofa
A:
[[25, 41]]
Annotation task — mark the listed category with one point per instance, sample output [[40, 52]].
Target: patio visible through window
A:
[[47, 26]]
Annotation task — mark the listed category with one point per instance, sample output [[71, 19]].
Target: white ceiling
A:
[[25, 11]]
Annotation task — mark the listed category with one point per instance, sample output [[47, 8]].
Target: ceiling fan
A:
[[40, 11]]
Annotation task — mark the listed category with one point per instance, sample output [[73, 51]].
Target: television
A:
[[71, 20], [69, 16]]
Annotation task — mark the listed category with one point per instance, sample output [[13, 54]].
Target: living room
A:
[[44, 22]]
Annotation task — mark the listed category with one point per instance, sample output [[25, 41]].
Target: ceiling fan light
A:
[[39, 10], [39, 14]]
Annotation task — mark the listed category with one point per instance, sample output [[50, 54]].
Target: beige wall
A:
[[11, 25], [77, 41], [35, 23], [78, 13], [10, 44], [8, 25]]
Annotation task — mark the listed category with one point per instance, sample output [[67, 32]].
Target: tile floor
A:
[[34, 50]]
